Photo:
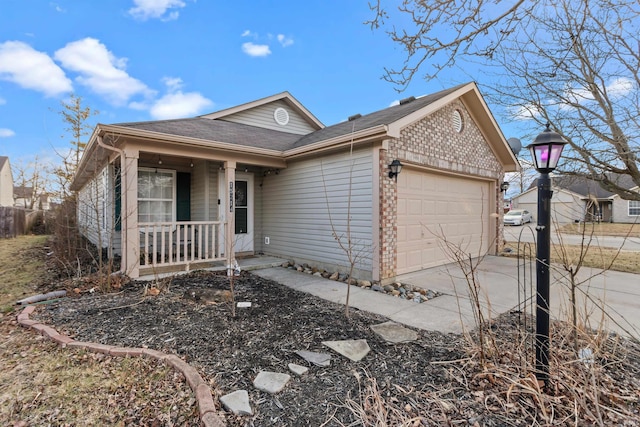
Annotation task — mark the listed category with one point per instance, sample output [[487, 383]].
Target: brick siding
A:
[[433, 142]]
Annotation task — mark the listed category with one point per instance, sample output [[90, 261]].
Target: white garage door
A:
[[433, 207]]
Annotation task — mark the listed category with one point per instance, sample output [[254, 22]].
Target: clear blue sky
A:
[[136, 60]]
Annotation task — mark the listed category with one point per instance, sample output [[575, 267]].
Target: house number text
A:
[[231, 196]]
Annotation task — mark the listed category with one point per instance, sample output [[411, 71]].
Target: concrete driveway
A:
[[610, 299], [526, 233]]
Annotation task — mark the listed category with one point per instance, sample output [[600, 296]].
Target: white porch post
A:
[[230, 178], [129, 209]]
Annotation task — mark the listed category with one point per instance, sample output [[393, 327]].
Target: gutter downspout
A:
[[123, 200]]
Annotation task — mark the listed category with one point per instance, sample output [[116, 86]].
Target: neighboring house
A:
[[579, 199], [24, 197], [6, 182], [268, 177]]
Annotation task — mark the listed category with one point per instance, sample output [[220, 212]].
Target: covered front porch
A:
[[183, 209]]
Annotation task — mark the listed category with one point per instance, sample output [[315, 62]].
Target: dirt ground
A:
[[435, 380]]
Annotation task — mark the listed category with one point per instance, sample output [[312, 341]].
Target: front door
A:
[[242, 210]]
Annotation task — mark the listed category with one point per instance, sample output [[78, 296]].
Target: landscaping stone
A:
[[237, 402], [318, 359], [377, 288], [271, 382], [354, 350], [298, 369], [394, 333], [335, 276]]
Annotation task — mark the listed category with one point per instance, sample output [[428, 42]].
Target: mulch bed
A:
[[407, 379]]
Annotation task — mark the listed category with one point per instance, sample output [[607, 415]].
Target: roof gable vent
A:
[[281, 116], [407, 100], [355, 116]]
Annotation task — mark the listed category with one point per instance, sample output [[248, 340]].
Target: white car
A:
[[517, 217]]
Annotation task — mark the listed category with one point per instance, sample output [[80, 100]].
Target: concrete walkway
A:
[[497, 279]]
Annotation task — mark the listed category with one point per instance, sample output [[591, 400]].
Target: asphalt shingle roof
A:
[[588, 187], [219, 130]]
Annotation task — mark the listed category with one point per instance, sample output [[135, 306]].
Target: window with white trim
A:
[[634, 208], [156, 195]]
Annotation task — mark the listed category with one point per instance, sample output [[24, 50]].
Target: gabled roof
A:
[[588, 188], [23, 192], [286, 97], [378, 118], [218, 131], [214, 131]]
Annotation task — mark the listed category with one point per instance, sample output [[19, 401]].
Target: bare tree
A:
[[31, 178], [76, 117], [572, 63]]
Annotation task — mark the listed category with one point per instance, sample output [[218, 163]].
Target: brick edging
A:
[[209, 417]]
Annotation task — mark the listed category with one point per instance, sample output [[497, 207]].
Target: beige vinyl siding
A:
[[621, 211], [95, 209], [6, 185], [262, 116], [198, 191], [213, 170], [258, 208], [295, 210]]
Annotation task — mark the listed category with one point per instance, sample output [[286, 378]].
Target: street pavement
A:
[[527, 233]]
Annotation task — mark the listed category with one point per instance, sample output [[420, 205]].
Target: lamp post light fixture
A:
[[504, 186], [546, 150], [394, 169]]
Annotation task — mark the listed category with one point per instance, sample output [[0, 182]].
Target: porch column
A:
[[230, 178], [130, 234]]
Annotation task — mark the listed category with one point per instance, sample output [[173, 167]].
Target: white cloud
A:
[[3, 101], [177, 104], [620, 87], [23, 65], [158, 9], [285, 41], [100, 70], [6, 133], [524, 112], [57, 7], [173, 83], [248, 33], [252, 49]]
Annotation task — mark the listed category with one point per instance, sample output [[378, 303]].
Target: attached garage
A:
[[433, 207]]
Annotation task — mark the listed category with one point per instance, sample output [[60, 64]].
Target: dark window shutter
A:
[[183, 196]]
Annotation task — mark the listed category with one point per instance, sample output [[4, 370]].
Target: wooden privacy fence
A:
[[12, 222]]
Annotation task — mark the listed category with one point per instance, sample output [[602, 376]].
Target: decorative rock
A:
[[343, 277], [395, 292], [271, 382], [318, 274], [394, 333], [431, 294], [354, 350], [335, 276], [388, 288], [377, 288], [318, 359], [417, 298], [364, 283], [297, 369], [237, 402]]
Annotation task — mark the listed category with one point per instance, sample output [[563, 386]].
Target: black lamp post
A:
[[546, 150]]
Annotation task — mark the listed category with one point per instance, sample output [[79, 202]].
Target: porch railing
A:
[[180, 243]]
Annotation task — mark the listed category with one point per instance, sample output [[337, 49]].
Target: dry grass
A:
[[21, 268], [596, 257], [42, 384], [602, 229], [601, 390]]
